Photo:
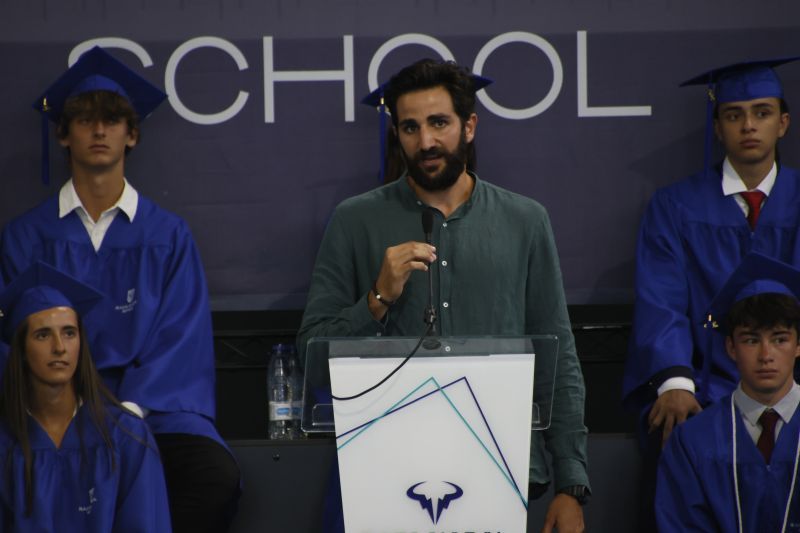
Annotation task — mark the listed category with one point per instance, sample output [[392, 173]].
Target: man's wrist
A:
[[579, 492], [676, 383], [378, 296]]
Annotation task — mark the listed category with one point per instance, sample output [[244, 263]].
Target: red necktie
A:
[[766, 442], [754, 200]]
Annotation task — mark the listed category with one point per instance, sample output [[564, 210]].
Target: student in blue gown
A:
[[152, 333], [728, 468], [692, 236], [73, 459]]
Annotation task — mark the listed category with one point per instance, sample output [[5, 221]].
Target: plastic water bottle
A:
[[297, 391], [279, 391]]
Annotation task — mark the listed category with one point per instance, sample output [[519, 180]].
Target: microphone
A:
[[430, 313]]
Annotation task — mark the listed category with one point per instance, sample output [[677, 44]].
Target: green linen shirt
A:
[[496, 273]]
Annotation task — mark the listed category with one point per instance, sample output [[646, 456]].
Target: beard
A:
[[454, 164]]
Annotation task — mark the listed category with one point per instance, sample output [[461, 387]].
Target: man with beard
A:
[[495, 266]]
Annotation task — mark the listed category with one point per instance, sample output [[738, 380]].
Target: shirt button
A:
[[444, 224], [445, 304], [444, 263]]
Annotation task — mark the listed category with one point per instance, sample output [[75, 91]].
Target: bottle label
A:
[[297, 409], [280, 411]]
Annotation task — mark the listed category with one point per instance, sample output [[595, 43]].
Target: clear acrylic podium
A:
[[317, 417]]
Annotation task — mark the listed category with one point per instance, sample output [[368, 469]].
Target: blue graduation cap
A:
[[376, 99], [742, 81], [95, 70], [756, 274], [38, 288], [739, 82]]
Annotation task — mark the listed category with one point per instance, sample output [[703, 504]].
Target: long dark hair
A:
[[15, 401]]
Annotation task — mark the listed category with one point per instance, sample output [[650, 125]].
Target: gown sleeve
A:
[[681, 503], [661, 338], [174, 370], [142, 505]]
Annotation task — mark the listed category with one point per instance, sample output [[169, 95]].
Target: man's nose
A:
[[427, 139]]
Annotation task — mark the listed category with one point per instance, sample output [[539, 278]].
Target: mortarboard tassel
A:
[[45, 144], [382, 110]]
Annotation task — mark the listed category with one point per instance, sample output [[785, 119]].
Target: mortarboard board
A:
[[738, 82], [95, 70], [376, 99], [38, 288], [756, 274], [742, 81]]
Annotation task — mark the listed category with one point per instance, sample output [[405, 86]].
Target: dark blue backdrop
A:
[[257, 186]]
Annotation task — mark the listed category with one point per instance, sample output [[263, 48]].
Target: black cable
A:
[[392, 373]]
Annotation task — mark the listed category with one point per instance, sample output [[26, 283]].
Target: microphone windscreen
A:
[[427, 221]]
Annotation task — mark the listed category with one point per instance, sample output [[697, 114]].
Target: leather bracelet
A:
[[381, 299]]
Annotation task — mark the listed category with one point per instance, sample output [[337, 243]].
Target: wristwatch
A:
[[579, 492]]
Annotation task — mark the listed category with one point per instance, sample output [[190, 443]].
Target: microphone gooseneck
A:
[[430, 312], [427, 339]]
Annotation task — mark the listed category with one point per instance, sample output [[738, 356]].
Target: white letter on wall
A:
[[555, 63], [402, 40], [172, 67], [583, 92], [111, 42], [271, 76]]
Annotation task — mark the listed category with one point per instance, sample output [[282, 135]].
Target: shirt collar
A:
[[752, 409], [408, 195], [732, 183], [68, 200]]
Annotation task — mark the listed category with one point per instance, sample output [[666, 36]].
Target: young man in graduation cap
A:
[[151, 336], [370, 274], [733, 467]]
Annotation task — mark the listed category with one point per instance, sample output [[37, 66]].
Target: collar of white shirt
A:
[[732, 183], [751, 409], [68, 201]]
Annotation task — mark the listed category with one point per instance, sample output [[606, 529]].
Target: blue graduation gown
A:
[[75, 488], [151, 337], [691, 239], [695, 490]]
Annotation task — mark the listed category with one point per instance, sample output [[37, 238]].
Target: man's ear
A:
[[730, 350], [784, 124], [717, 132], [133, 138], [469, 127]]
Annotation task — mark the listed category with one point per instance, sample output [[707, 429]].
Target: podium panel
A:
[[443, 443]]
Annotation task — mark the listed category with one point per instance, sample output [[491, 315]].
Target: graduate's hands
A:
[[398, 263], [671, 408], [564, 514]]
